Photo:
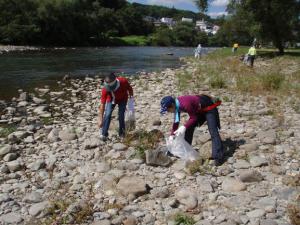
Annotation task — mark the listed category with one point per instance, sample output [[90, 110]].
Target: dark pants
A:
[[213, 123], [251, 60], [107, 117]]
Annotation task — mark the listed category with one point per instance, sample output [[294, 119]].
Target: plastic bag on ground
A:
[[180, 148], [130, 115]]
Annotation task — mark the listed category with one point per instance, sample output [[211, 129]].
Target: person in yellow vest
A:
[[251, 55], [235, 47]]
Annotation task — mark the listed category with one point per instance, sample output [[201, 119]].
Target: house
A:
[[188, 20], [206, 27], [168, 21]]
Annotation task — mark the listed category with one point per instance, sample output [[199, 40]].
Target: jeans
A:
[[251, 60], [213, 123], [121, 116]]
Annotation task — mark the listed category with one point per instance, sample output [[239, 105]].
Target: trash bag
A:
[[180, 148], [130, 115]]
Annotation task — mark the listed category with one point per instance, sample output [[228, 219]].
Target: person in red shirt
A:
[[116, 91]]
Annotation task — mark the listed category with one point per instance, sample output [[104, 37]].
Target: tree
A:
[[275, 19], [202, 5]]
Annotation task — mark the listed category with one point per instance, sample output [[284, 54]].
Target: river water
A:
[[26, 70]]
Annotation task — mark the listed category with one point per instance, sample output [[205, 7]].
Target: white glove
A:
[[180, 131], [171, 138]]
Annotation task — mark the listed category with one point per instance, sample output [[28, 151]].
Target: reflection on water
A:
[[31, 69]]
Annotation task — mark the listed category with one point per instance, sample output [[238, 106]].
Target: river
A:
[[26, 70]]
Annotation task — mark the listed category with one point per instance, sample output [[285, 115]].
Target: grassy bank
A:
[[131, 41], [272, 75]]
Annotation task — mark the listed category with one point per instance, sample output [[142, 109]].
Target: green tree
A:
[[275, 19]]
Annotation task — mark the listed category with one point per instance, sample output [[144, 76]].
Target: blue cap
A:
[[165, 103]]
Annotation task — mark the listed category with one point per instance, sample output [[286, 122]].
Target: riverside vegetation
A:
[[55, 170]]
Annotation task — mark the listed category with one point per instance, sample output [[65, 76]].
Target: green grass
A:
[[135, 40], [7, 130], [182, 219], [277, 75], [143, 141]]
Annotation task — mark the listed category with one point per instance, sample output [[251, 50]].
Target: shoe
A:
[[103, 138], [219, 162]]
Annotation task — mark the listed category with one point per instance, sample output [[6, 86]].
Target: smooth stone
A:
[[10, 157], [14, 166], [11, 218], [257, 213], [250, 176], [233, 185], [257, 161], [67, 134], [38, 208], [132, 185], [33, 197], [5, 150], [157, 158], [241, 164], [204, 184], [187, 198], [119, 147]]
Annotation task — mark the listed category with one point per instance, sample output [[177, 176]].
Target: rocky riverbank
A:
[[13, 48], [55, 170]]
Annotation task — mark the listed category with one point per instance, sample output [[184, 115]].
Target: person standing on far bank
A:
[[115, 92], [251, 55]]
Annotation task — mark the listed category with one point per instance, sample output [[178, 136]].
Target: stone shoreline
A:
[[55, 164]]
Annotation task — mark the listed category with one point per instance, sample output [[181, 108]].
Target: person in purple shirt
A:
[[200, 108]]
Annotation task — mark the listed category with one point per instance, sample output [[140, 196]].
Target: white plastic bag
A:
[[180, 148], [130, 115]]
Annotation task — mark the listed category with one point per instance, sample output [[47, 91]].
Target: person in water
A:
[[116, 91], [200, 108]]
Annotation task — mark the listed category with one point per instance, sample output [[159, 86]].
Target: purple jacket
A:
[[191, 105]]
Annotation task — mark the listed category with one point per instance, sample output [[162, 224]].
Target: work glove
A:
[[171, 138], [180, 131]]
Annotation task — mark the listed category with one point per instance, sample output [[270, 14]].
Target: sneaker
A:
[[103, 138], [219, 162]]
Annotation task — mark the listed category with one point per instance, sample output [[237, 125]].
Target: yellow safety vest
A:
[[252, 51]]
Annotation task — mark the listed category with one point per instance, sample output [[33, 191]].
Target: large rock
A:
[[38, 208], [204, 184], [267, 137], [119, 147], [187, 198], [11, 218], [132, 185], [14, 166], [257, 161], [5, 150], [33, 197], [38, 100], [241, 164], [53, 135], [36, 165], [91, 143], [257, 213], [67, 134], [205, 150], [251, 176], [157, 158], [40, 109], [233, 185]]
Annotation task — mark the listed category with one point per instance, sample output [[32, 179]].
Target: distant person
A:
[[251, 55], [235, 47], [198, 51], [201, 109], [115, 92]]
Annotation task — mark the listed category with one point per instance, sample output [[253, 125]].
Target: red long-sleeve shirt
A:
[[121, 94]]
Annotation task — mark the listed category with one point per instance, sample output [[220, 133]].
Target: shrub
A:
[[272, 82], [181, 219], [217, 81]]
